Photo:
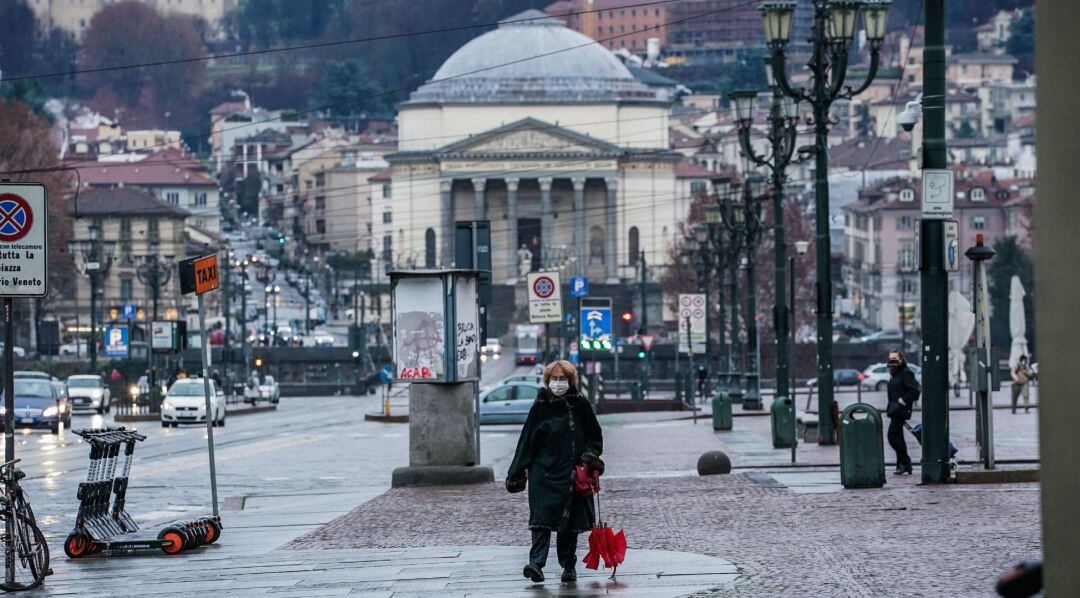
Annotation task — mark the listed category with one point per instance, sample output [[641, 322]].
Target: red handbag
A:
[[586, 482]]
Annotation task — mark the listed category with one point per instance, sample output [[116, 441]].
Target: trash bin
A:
[[862, 450], [721, 411], [782, 414], [635, 391]]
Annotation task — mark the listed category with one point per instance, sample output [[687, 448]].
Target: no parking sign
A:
[[545, 300], [23, 240]]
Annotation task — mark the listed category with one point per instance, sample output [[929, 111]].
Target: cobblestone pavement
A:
[[903, 539]]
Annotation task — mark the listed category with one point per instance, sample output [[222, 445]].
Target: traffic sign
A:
[[595, 323], [116, 340], [647, 341], [545, 301], [23, 240], [692, 313], [386, 374], [579, 286], [128, 311]]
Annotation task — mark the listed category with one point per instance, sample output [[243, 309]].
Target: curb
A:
[[153, 417], [387, 419]]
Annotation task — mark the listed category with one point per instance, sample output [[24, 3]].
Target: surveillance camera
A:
[[910, 115]]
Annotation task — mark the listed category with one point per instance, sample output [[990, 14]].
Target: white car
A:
[[876, 377], [322, 338], [269, 390], [74, 348], [89, 392], [185, 403], [16, 350]]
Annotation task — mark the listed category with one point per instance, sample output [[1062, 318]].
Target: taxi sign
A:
[[199, 275], [23, 240]]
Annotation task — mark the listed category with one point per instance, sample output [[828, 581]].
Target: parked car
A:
[[40, 404], [876, 377], [492, 348], [507, 403], [89, 392], [185, 403], [15, 349], [893, 336], [74, 348], [841, 377], [63, 400], [536, 379], [31, 374], [269, 390]]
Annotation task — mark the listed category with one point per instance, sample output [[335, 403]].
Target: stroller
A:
[[916, 431]]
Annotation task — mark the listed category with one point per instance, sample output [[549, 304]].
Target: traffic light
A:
[[627, 316], [281, 240]]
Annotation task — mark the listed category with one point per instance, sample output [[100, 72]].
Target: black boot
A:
[[569, 574], [533, 573]]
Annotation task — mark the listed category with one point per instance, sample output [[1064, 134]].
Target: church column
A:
[[579, 223], [481, 205], [446, 190], [547, 220], [611, 229], [511, 228]]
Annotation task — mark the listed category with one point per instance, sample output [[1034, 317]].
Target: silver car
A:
[[876, 377], [507, 403], [89, 392]]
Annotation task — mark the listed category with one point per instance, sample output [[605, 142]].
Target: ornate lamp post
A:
[[724, 249], [834, 29], [154, 274], [781, 135], [97, 256]]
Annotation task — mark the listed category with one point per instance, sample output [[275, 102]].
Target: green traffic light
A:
[[641, 355]]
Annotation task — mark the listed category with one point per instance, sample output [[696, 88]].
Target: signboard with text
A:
[[23, 240], [938, 191], [199, 275], [545, 298], [116, 340]]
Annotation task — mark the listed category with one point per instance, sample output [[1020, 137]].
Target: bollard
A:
[[678, 388], [862, 451], [782, 414], [721, 412]]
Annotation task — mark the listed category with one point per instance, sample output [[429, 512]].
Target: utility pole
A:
[[644, 301], [307, 303], [934, 277], [226, 349], [243, 318]]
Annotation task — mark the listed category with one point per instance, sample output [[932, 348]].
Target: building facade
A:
[[74, 16], [567, 155]]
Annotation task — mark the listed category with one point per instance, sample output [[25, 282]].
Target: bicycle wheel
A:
[[30, 556]]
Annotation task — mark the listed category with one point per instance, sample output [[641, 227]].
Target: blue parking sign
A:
[[116, 340], [128, 311], [579, 286]]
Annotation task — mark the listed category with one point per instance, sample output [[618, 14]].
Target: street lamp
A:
[[834, 27], [154, 274], [724, 251], [97, 256], [781, 135]]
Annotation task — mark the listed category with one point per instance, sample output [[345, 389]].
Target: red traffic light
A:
[[627, 316]]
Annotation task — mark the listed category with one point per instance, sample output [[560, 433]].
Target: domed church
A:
[[545, 133]]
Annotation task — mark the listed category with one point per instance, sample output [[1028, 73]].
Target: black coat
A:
[[558, 431], [902, 385]]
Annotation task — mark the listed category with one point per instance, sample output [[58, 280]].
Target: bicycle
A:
[[26, 554]]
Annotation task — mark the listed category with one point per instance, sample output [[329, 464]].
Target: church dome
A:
[[532, 57]]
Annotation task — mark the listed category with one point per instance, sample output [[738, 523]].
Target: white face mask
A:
[[558, 387]]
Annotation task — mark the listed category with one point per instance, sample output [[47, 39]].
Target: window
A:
[[320, 227], [200, 199], [173, 197], [904, 223], [906, 259], [126, 291], [125, 253], [1013, 220], [153, 232], [387, 217], [387, 247], [978, 223], [632, 245], [696, 187], [527, 393], [125, 228], [978, 194], [386, 191], [503, 393], [429, 248], [907, 195]]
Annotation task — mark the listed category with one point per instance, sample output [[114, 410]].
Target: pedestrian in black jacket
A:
[[904, 390], [560, 433]]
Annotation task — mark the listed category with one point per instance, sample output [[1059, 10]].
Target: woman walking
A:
[[560, 433]]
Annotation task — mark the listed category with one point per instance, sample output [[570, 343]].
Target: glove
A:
[[593, 462], [515, 486]]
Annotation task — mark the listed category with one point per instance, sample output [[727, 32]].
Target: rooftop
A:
[[123, 201]]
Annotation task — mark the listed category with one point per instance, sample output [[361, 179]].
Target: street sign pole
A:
[[209, 411], [9, 426]]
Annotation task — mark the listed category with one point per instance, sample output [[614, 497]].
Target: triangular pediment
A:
[[529, 136]]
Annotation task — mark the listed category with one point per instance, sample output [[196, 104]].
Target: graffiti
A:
[[420, 344], [466, 345]]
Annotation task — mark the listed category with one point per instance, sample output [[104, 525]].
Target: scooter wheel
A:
[[213, 531], [78, 544], [174, 539]]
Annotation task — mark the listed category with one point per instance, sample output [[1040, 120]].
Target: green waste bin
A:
[[635, 391], [862, 450], [782, 414], [721, 411]]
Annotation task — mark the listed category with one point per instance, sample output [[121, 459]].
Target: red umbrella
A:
[[605, 543]]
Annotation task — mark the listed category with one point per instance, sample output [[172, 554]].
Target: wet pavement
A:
[[307, 511]]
